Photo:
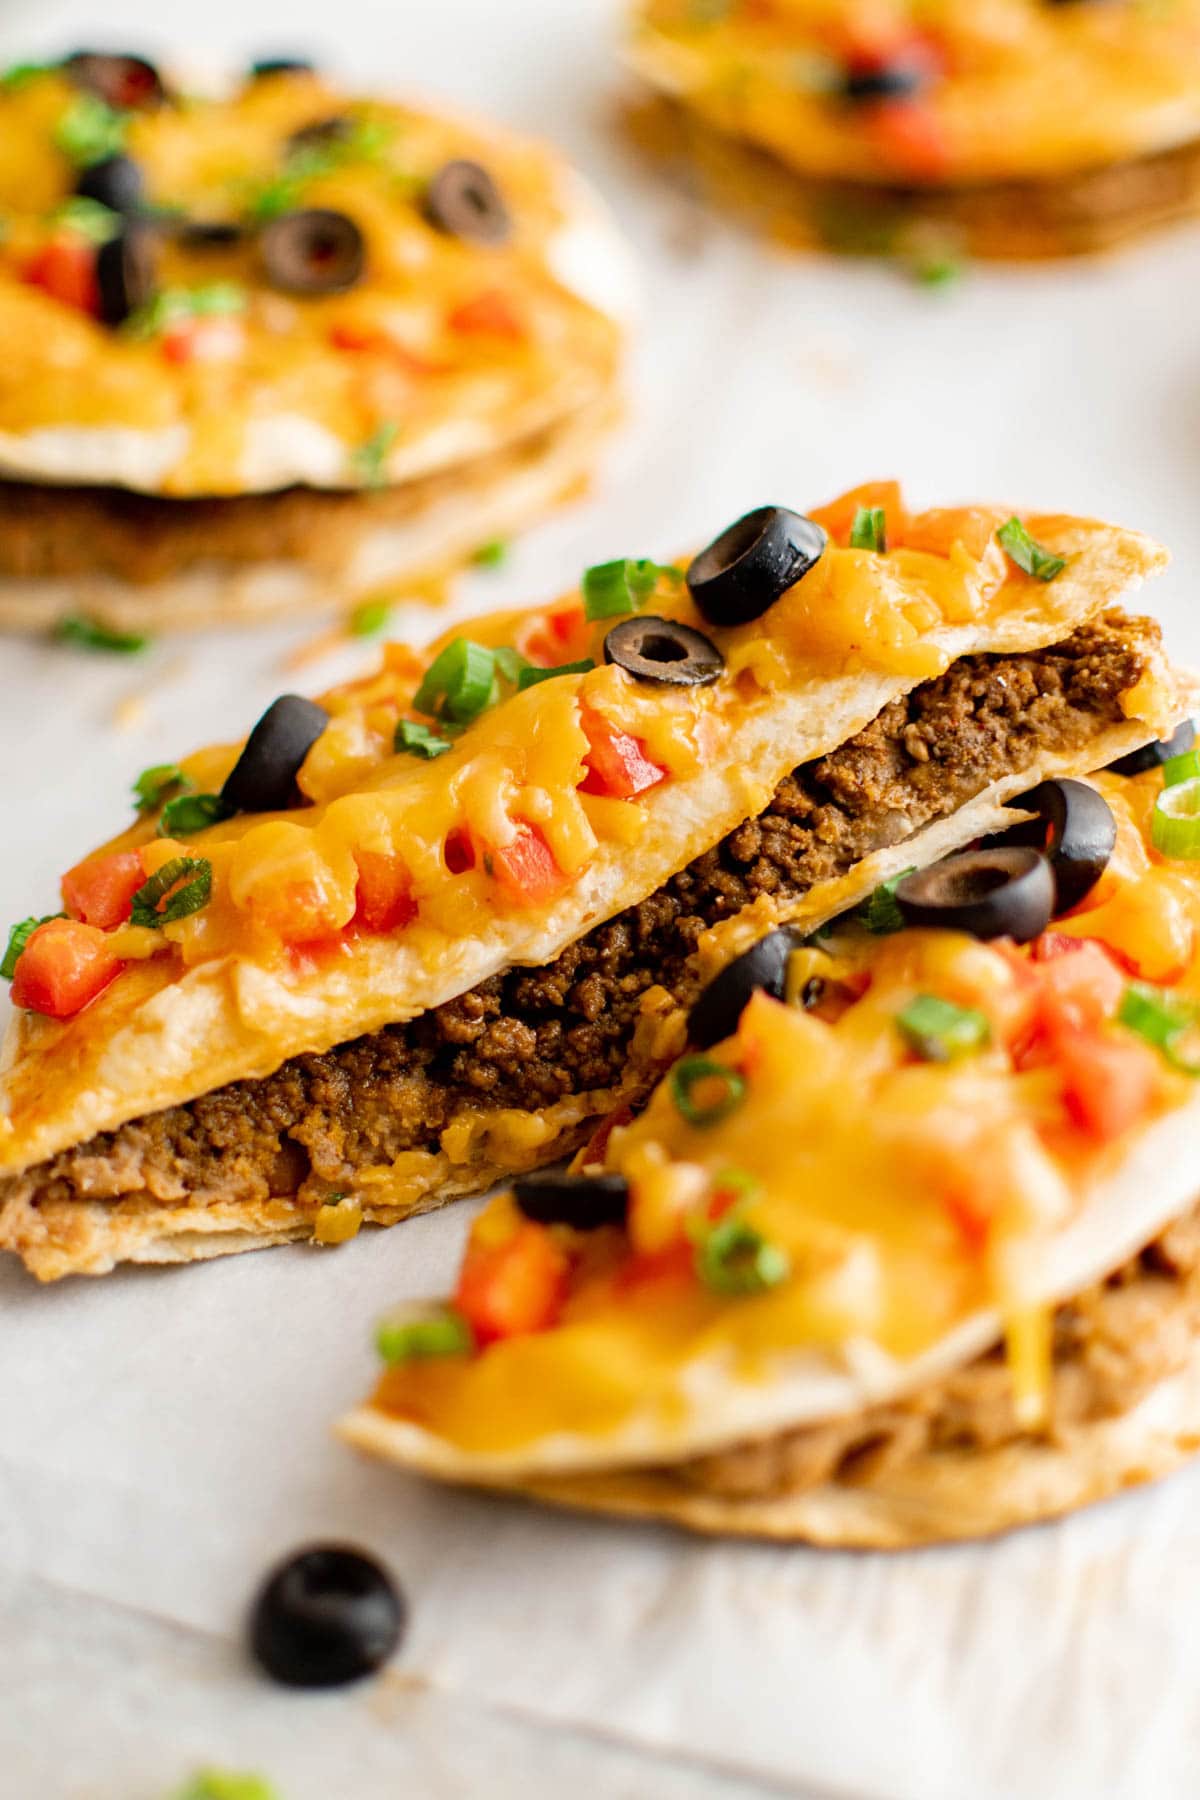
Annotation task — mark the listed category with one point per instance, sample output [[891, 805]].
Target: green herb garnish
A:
[[89, 634], [1184, 767], [225, 1784], [365, 142], [91, 131], [438, 1331], [1175, 821], [939, 1031], [159, 783], [369, 461], [510, 663], [18, 937], [880, 912], [1027, 553], [735, 1258], [171, 305], [89, 219], [191, 812], [459, 682], [1163, 1020], [532, 675], [491, 555], [370, 617], [614, 588], [18, 75], [693, 1072], [420, 740], [162, 899], [869, 530]]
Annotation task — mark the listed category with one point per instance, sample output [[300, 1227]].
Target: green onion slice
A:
[[369, 461], [227, 1784], [690, 1073], [434, 1331], [1175, 821], [458, 683], [159, 783], [18, 937], [734, 1258], [89, 219], [182, 886], [1027, 553], [511, 664], [369, 618], [491, 555], [879, 912], [189, 813], [1185, 767], [869, 530], [1163, 1020], [89, 634], [530, 677], [89, 131], [614, 588], [420, 740], [170, 305], [939, 1031]]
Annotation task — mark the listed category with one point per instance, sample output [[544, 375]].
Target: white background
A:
[[163, 1435]]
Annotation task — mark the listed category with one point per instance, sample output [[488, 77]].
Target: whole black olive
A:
[[747, 568], [585, 1202], [280, 65], [895, 80], [326, 1616], [128, 83], [660, 650], [764, 966], [1075, 829], [463, 200], [1153, 756], [986, 893], [263, 779], [316, 251], [126, 272], [116, 182]]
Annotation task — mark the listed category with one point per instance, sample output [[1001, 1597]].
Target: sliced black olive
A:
[[316, 251], [463, 200], [209, 234], [280, 65], [987, 893], [126, 272], [747, 568], [326, 1616], [116, 182], [1153, 756], [321, 134], [764, 966], [1075, 829], [657, 649], [263, 779], [129, 83], [894, 80], [585, 1202]]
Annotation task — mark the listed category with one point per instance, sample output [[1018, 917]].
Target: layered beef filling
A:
[[529, 1038], [1112, 1345]]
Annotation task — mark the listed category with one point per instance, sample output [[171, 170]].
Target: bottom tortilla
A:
[[935, 1498], [340, 549], [1083, 214]]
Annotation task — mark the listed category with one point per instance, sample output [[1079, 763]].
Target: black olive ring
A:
[[263, 779], [764, 967], [1153, 756], [661, 650], [585, 1202], [753, 562], [1076, 830], [986, 893]]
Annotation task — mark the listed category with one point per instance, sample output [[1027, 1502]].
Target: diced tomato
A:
[[515, 1287], [383, 896], [351, 334], [674, 1264], [62, 968], [490, 314], [936, 532], [1080, 983], [558, 635], [838, 516], [912, 138], [1109, 1083], [526, 869], [459, 852], [100, 891], [208, 339], [971, 1219], [66, 268], [617, 763], [300, 913]]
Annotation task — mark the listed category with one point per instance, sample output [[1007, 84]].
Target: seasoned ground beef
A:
[[531, 1037], [1112, 1345]]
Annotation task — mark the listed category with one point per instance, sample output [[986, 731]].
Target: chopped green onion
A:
[[1027, 553], [89, 219], [366, 142], [420, 740], [869, 530], [370, 459], [195, 872], [89, 634], [939, 1031], [614, 588], [171, 305], [438, 1331], [734, 1258], [160, 783], [369, 618], [491, 555], [18, 937], [189, 813], [18, 75], [458, 683], [530, 677], [879, 912], [90, 131], [1162, 1020], [511, 663], [936, 269], [1175, 821], [690, 1073], [1184, 767], [225, 1784]]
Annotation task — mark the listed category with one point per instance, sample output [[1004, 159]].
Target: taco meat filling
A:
[[529, 1038], [1112, 1345]]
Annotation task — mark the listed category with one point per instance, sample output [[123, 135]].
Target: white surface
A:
[[164, 1435]]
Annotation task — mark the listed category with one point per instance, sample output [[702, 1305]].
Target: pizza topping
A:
[[101, 891], [464, 201], [612, 589], [1075, 829], [126, 83], [263, 779], [661, 650], [1175, 825], [940, 1031], [733, 1258], [116, 182], [280, 65], [584, 1202], [62, 968], [869, 530], [1153, 756], [745, 570], [327, 1616], [423, 1331], [317, 251], [986, 893], [1027, 553], [706, 1091], [126, 273], [179, 888], [459, 683], [763, 967]]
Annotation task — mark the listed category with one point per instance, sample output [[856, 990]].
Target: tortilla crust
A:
[[185, 565], [1081, 214], [91, 1237]]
